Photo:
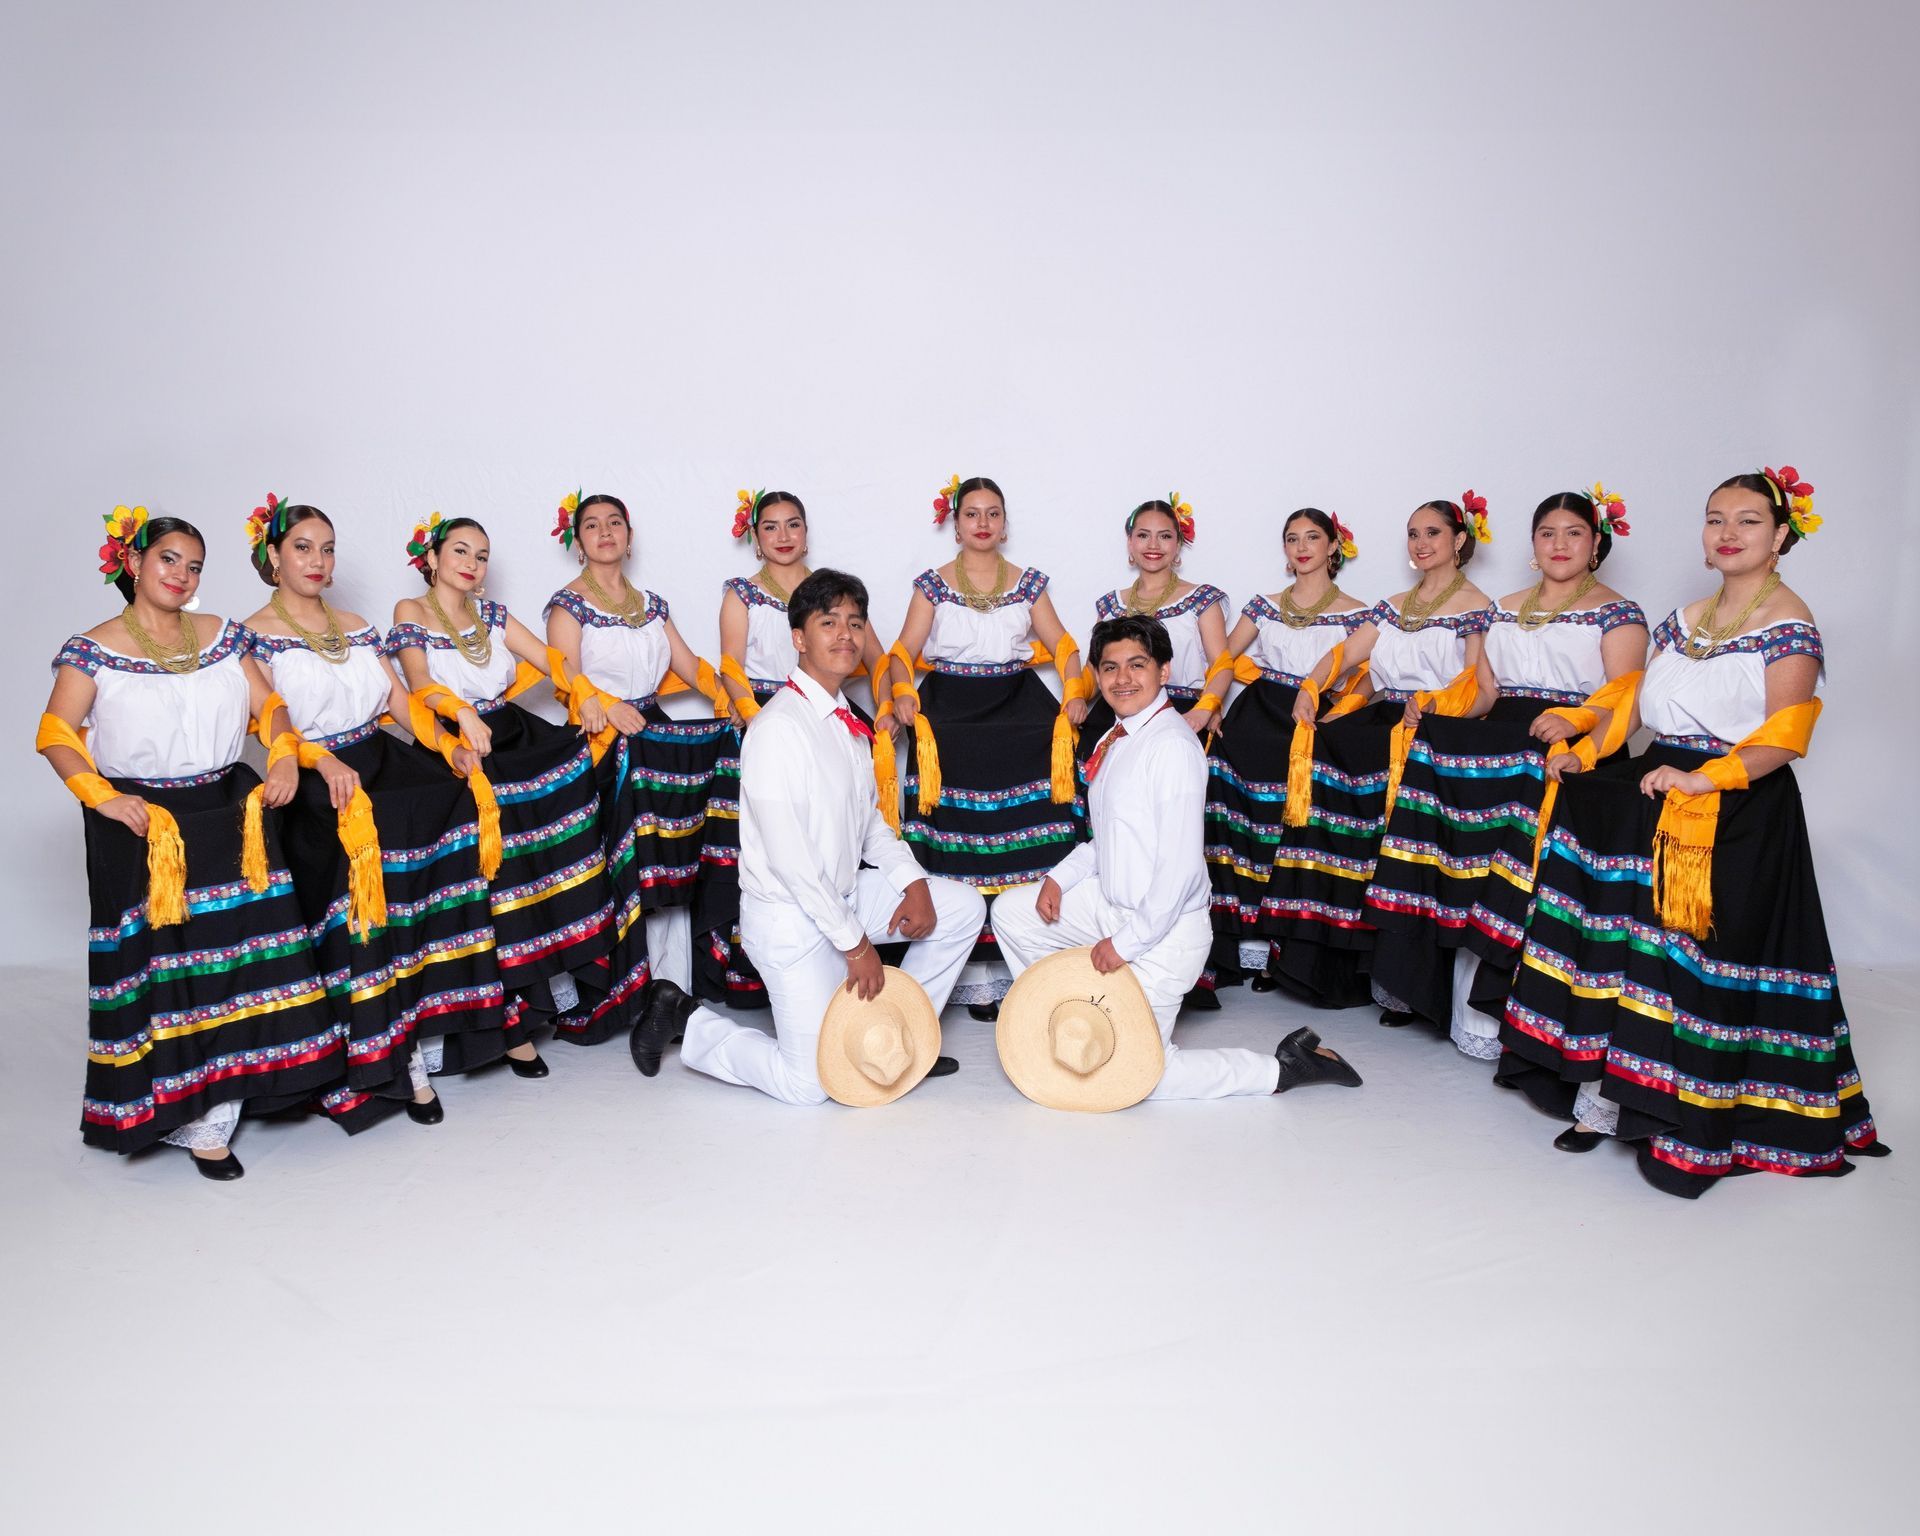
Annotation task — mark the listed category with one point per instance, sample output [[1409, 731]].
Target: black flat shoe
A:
[[219, 1169], [1395, 1018], [986, 1013], [1871, 1149], [1573, 1139], [1201, 1000], [943, 1066], [430, 1113], [534, 1067], [1301, 1063], [664, 1021], [1261, 981]]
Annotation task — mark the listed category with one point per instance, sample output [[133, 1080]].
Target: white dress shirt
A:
[[809, 813], [1146, 804]]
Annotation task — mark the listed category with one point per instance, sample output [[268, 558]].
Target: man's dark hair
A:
[[1144, 628], [824, 590]]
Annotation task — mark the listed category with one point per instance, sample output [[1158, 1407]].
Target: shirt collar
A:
[[818, 699], [1139, 721]]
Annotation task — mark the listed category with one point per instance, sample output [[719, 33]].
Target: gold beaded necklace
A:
[[332, 646], [1533, 616], [1414, 613], [1137, 604], [477, 647], [1708, 636], [1296, 617], [630, 610], [972, 596], [183, 660], [765, 577]]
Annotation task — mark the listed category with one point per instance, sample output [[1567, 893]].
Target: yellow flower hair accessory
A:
[[126, 531], [1793, 493], [1348, 549], [426, 536], [563, 519], [1476, 509], [1182, 517], [747, 510], [947, 501], [1609, 508]]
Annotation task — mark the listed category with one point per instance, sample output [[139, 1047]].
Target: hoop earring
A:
[[1773, 561], [329, 582], [1707, 561], [1593, 564]]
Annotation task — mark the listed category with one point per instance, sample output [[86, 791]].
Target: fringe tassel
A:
[[926, 760], [166, 869], [253, 841], [1396, 765], [1683, 862], [489, 808], [1547, 800], [1299, 777], [366, 880], [1065, 781], [886, 776]]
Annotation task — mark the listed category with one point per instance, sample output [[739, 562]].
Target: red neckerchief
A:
[[1120, 729], [854, 724]]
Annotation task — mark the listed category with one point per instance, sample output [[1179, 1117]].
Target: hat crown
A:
[[1080, 1036], [881, 1049]]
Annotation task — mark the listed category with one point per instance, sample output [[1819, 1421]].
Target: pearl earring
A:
[[1533, 565]]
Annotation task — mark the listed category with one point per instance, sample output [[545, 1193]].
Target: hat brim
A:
[[847, 1084], [1026, 1052]]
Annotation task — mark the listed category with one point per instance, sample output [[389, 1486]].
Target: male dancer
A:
[[1138, 893], [810, 915]]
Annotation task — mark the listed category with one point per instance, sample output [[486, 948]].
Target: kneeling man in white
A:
[[809, 914], [1138, 893]]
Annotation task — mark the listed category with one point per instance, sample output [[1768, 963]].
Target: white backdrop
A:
[[389, 258]]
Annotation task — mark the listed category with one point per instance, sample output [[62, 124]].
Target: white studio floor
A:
[[599, 1302]]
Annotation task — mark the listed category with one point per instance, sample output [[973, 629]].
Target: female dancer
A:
[[997, 808], [1284, 637], [1421, 650], [655, 773], [756, 656], [1449, 895], [1192, 612], [539, 806], [1676, 985], [202, 990], [428, 970]]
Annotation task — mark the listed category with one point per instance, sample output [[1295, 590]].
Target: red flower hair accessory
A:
[[1793, 493], [426, 536], [1182, 517], [260, 521], [1610, 509], [947, 502], [745, 513], [1348, 549], [1475, 508], [126, 532], [563, 519]]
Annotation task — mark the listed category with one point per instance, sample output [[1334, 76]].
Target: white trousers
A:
[[802, 971], [1166, 973], [670, 945]]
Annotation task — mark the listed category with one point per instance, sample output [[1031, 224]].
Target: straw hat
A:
[[874, 1052], [1071, 1038]]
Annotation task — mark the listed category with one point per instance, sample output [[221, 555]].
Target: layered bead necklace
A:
[[331, 646], [1141, 606], [1709, 635], [1296, 617], [476, 646], [972, 596], [184, 658], [1415, 614], [773, 588], [1533, 616], [630, 610]]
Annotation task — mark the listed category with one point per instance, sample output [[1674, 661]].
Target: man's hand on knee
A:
[[1047, 903], [914, 918]]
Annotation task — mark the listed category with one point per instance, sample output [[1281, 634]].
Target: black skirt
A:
[[1246, 793], [227, 1005], [722, 970], [1314, 906], [1726, 1055], [431, 969], [996, 824], [550, 900], [1456, 865]]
